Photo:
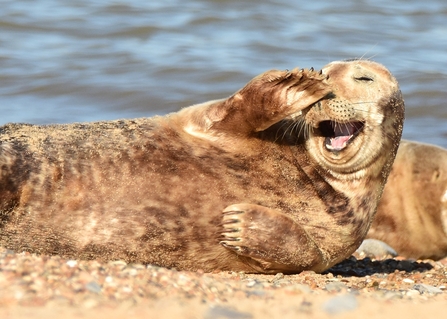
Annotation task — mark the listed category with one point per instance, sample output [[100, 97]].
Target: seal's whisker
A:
[[308, 130], [292, 128], [348, 125], [371, 56], [303, 129], [284, 131], [363, 102], [277, 137], [297, 126], [363, 56], [389, 135], [365, 111]]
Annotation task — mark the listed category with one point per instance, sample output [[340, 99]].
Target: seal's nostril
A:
[[329, 96]]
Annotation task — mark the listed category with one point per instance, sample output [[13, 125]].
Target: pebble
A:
[[427, 289], [335, 287], [29, 279], [222, 312], [375, 248], [72, 263], [251, 283], [282, 282], [277, 277], [93, 286], [408, 280], [339, 304]]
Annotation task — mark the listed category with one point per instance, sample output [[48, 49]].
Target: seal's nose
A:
[[330, 95]]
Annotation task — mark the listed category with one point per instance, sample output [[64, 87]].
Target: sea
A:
[[64, 61]]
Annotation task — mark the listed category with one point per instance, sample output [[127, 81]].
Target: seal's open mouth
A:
[[338, 135]]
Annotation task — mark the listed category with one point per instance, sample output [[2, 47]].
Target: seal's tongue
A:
[[342, 134]]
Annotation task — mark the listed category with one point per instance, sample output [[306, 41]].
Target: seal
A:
[[282, 176], [412, 214]]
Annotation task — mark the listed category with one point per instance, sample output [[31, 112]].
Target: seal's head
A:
[[362, 119]]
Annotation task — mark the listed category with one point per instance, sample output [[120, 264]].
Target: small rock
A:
[[108, 279], [408, 281], [340, 304], [375, 248], [7, 252], [277, 277], [282, 282], [93, 286], [221, 312], [120, 263], [72, 263], [427, 289], [251, 283], [335, 286], [257, 293]]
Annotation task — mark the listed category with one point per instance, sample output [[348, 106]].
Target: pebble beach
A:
[[33, 286]]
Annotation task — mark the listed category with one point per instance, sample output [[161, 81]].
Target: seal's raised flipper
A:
[[267, 99], [271, 240]]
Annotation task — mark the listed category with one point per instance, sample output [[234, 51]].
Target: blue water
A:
[[71, 60]]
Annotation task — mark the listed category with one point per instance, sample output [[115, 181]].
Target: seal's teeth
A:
[[332, 124]]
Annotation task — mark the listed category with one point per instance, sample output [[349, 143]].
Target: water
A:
[[74, 60]]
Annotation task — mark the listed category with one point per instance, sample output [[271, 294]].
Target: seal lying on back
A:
[[225, 185], [412, 215]]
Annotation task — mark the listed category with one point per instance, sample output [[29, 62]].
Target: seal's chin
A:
[[339, 135]]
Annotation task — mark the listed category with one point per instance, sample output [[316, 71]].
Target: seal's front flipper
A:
[[272, 241], [267, 99]]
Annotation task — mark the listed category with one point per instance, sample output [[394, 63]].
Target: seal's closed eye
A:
[[364, 79]]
